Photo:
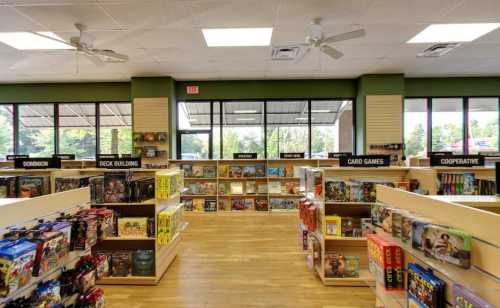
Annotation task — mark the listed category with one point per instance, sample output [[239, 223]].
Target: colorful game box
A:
[[449, 245]]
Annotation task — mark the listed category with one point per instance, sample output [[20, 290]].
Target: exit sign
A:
[[192, 90]]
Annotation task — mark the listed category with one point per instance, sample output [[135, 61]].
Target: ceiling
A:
[[163, 38]]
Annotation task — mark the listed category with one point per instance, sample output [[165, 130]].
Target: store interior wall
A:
[[380, 84]]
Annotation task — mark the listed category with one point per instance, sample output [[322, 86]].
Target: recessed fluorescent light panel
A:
[[320, 111], [245, 119], [447, 33], [31, 41], [301, 119], [238, 37], [245, 111]]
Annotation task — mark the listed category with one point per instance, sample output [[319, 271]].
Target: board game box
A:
[[464, 298], [424, 288], [449, 245]]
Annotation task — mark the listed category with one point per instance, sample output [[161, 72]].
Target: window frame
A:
[[465, 117], [221, 102]]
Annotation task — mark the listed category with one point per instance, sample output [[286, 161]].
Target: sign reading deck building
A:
[[119, 163], [365, 161], [457, 160], [37, 163]]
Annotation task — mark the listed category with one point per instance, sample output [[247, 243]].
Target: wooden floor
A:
[[235, 261]]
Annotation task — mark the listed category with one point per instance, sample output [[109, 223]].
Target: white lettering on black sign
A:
[[457, 160], [244, 155], [119, 163], [365, 161]]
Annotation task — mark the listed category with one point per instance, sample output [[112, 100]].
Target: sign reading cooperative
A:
[[457, 160], [119, 163], [292, 155], [365, 161], [244, 155], [37, 163]]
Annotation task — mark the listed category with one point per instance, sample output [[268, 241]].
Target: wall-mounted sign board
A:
[[119, 163], [365, 161], [37, 163], [457, 161], [244, 155]]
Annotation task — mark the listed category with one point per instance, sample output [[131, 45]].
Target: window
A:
[[115, 128], [483, 125], [36, 130], [216, 131], [287, 127], [447, 125], [194, 128], [331, 127], [6, 131], [415, 127], [77, 131], [243, 128]]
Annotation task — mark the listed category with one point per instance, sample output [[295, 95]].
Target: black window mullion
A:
[[265, 129], [465, 129], [309, 132], [429, 124], [221, 117], [56, 128], [210, 139], [97, 129], [15, 128]]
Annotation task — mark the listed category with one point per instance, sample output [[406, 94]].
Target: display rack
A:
[[164, 254], [348, 245], [52, 174], [270, 197], [483, 278], [27, 212]]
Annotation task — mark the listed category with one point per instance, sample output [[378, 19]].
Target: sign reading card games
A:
[[37, 163], [339, 154], [365, 161], [119, 163], [14, 157], [457, 160], [244, 155], [107, 156], [64, 156], [292, 155]]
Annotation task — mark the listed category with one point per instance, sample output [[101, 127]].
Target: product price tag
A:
[[457, 160], [119, 163], [292, 155], [37, 163], [244, 155], [365, 161]]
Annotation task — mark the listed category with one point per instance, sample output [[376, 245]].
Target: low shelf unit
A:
[[483, 276]]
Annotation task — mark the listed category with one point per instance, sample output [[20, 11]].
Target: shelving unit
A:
[[27, 211], [164, 254], [483, 278]]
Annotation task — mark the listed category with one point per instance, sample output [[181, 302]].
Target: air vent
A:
[[285, 53], [438, 50]]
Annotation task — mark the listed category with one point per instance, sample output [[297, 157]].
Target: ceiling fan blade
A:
[[93, 58], [344, 36], [332, 52], [54, 39], [110, 56], [303, 53]]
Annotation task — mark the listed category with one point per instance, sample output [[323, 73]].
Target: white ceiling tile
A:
[[63, 17], [474, 11], [131, 15], [11, 20]]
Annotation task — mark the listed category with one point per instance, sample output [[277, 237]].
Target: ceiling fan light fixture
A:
[[237, 37], [33, 41]]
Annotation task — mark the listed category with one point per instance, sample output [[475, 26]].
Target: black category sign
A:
[[119, 163], [457, 160], [490, 154], [14, 157], [441, 153], [339, 154], [106, 156], [37, 163], [126, 155], [292, 155], [244, 155], [365, 161], [64, 156]]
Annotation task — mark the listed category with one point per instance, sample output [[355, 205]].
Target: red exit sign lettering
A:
[[192, 90]]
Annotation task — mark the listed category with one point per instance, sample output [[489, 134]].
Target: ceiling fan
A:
[[316, 39], [84, 44]]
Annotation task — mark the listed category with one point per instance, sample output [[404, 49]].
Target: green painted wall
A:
[[456, 86], [388, 84], [65, 92], [269, 89]]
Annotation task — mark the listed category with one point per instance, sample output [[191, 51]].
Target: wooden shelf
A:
[[243, 195], [348, 203], [198, 196], [343, 238], [146, 202], [242, 178], [271, 178], [365, 279], [200, 179], [129, 239], [128, 280], [284, 196]]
